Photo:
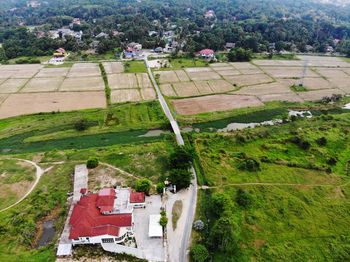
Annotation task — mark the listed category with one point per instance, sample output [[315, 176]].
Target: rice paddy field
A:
[[263, 80]]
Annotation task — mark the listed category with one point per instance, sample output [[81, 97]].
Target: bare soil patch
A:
[[94, 83], [53, 72], [42, 85], [12, 85], [290, 72], [143, 80], [203, 87], [167, 90], [206, 75], [265, 89], [2, 98], [243, 65], [183, 77], [220, 86], [148, 93], [113, 67], [316, 83], [332, 73], [205, 104], [248, 80], [319, 94], [198, 69], [216, 65], [167, 77], [30, 103], [84, 69], [251, 71], [122, 81], [290, 97], [185, 89], [125, 95], [228, 72]]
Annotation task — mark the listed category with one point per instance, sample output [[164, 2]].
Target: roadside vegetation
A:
[[276, 193]]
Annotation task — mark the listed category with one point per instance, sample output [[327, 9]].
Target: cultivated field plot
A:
[[82, 84], [167, 90], [249, 80], [186, 89], [125, 95], [167, 77], [12, 85], [148, 94], [42, 85], [53, 72], [203, 75], [319, 94], [204, 104], [113, 67], [316, 83], [287, 97], [290, 72], [322, 61], [122, 81], [31, 103], [265, 89], [84, 70]]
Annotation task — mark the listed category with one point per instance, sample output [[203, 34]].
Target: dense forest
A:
[[250, 24]]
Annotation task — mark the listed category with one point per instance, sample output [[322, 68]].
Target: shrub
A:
[[243, 198], [249, 164], [303, 144], [199, 253], [81, 125], [92, 163], [160, 187], [181, 178], [198, 225], [143, 185], [239, 55], [163, 219], [322, 141]]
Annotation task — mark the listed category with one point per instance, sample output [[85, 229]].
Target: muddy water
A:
[[48, 233]]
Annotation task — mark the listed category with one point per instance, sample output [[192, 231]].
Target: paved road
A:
[[182, 254]]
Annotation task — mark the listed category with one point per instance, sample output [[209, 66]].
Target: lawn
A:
[[279, 193], [135, 67], [178, 63]]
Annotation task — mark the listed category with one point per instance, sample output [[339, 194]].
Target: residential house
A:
[[102, 35], [33, 4], [229, 46], [62, 32], [207, 54], [105, 217], [209, 14]]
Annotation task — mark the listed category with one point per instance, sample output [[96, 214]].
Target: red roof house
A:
[[137, 197], [88, 221], [206, 52], [105, 199]]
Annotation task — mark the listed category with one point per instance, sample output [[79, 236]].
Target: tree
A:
[[181, 178], [143, 185], [181, 158], [219, 201], [160, 187], [163, 219], [81, 125], [239, 55], [243, 198], [198, 225], [344, 47], [3, 57], [322, 141], [92, 163], [199, 253]]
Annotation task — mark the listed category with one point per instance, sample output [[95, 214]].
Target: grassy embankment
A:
[[300, 213]]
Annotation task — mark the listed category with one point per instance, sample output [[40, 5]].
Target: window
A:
[[107, 240]]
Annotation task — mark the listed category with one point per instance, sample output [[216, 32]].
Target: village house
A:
[[62, 32], [209, 14], [134, 50], [58, 56], [75, 21], [33, 4], [102, 35], [206, 54], [229, 46], [104, 217]]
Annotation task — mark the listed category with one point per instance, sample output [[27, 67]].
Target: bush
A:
[[198, 225], [322, 141], [160, 187], [249, 164], [243, 198], [81, 125], [199, 253], [239, 55], [163, 219], [92, 163], [143, 185], [303, 144]]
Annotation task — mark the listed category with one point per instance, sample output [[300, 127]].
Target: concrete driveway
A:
[[152, 248]]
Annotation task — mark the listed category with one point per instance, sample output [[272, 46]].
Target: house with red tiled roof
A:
[[207, 54], [104, 217]]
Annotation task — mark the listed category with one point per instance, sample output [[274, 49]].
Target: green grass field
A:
[[135, 67], [178, 63], [275, 57], [296, 190]]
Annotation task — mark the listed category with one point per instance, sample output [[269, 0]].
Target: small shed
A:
[[155, 230]]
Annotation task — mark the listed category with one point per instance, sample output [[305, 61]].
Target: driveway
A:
[[152, 248]]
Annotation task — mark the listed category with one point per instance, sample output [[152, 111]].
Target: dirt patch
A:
[[316, 83], [148, 94], [251, 71], [332, 73], [143, 80], [319, 94], [113, 67], [31, 103], [12, 85], [203, 87], [53, 72], [338, 192], [248, 80], [290, 72], [125, 95], [291, 97], [258, 243], [167, 77], [167, 90], [220, 86], [94, 83], [214, 103], [183, 77], [203, 75], [228, 72], [122, 81], [265, 89], [84, 70], [243, 65], [42, 85], [104, 176], [185, 89], [176, 212]]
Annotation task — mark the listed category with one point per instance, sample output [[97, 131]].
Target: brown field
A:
[[289, 72], [268, 62], [220, 86], [251, 71], [205, 104], [25, 74], [113, 67], [31, 103], [186, 89], [316, 83], [12, 85], [243, 65], [84, 69], [2, 80], [143, 80], [198, 69], [342, 83], [230, 72], [183, 77], [223, 68], [321, 61], [148, 94], [346, 70], [290, 97], [247, 80], [217, 65], [317, 95], [206, 75], [203, 87], [42, 85], [82, 84], [332, 73], [52, 72], [125, 95], [167, 77], [2, 98], [265, 89], [167, 90], [122, 81]]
